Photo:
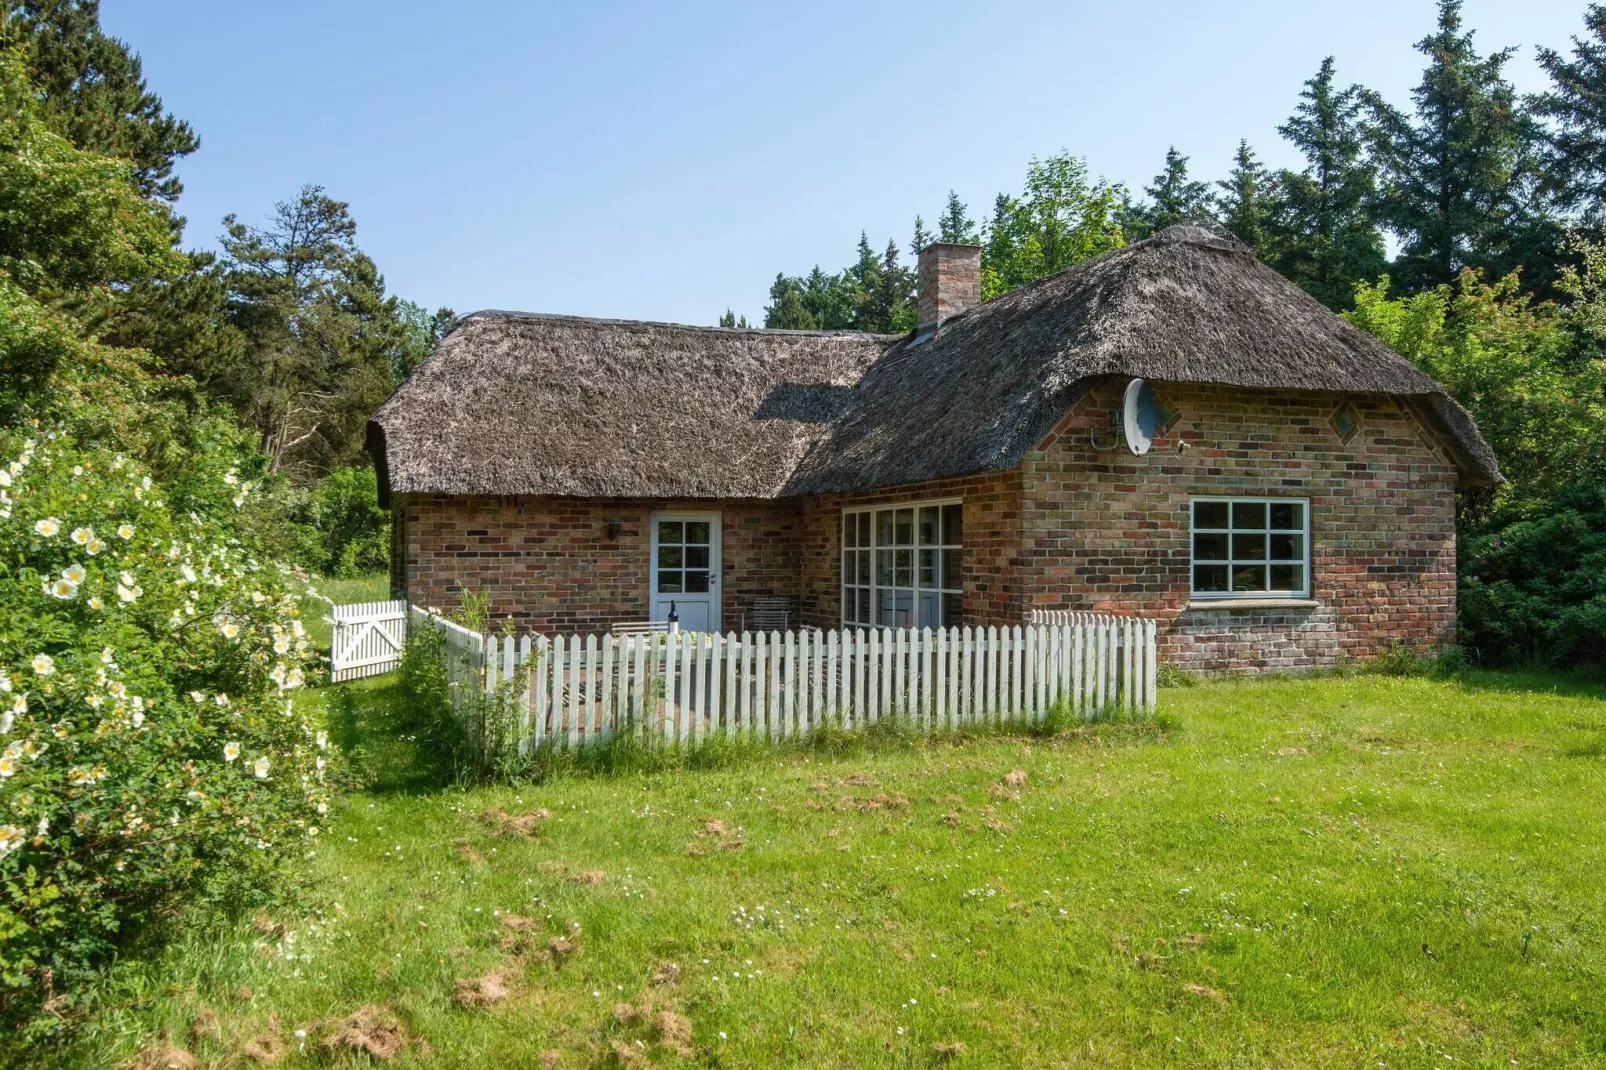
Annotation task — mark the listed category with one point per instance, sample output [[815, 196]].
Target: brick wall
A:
[[549, 563], [992, 512], [1071, 527], [1108, 531]]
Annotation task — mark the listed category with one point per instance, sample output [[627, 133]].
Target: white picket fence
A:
[[686, 687], [367, 638]]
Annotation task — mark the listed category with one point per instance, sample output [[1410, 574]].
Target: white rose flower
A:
[[231, 751], [81, 535], [48, 527], [125, 531], [260, 768], [74, 573], [64, 589], [43, 664]]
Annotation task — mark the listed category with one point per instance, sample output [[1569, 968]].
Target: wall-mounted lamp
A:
[[615, 525]]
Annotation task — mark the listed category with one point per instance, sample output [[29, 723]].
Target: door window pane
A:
[[1210, 546], [1287, 577], [850, 530], [1288, 515], [883, 528], [697, 531], [903, 573], [1249, 577], [668, 582], [951, 574], [1211, 578], [864, 529], [669, 557], [928, 568], [904, 535], [696, 557], [670, 531], [1249, 547], [952, 526], [1209, 514], [696, 581], [1288, 547], [929, 525]]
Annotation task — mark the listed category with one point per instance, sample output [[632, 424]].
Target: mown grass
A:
[[1298, 872]]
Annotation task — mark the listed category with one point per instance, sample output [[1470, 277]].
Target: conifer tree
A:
[[922, 238], [956, 226], [1574, 148], [1247, 199], [1173, 198], [1451, 177], [1326, 235]]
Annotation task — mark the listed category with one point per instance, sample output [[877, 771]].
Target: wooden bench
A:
[[769, 614], [639, 627]]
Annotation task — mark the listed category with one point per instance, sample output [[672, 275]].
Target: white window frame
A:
[[914, 588], [1231, 562]]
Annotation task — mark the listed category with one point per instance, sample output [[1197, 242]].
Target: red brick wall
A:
[[1109, 531], [549, 564], [1071, 527], [992, 514]]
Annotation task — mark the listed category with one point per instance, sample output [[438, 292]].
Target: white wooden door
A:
[[685, 569]]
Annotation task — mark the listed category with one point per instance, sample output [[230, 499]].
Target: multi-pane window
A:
[[1244, 547], [901, 566], [683, 556]]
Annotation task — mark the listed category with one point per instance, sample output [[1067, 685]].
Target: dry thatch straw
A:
[[524, 404]]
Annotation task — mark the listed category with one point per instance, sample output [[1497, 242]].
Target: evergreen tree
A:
[[1574, 147], [729, 319], [321, 336], [786, 310], [921, 239], [1451, 177], [1247, 199], [955, 226], [94, 91], [1325, 233], [422, 332], [1173, 198], [889, 306]]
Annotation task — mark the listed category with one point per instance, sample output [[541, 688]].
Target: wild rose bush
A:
[[154, 749]]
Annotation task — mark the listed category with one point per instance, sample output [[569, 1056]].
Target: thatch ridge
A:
[[531, 403]]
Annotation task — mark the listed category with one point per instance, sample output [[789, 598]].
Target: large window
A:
[[1248, 547], [901, 566]]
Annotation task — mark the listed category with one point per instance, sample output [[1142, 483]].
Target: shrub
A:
[[353, 532], [154, 751], [1535, 590]]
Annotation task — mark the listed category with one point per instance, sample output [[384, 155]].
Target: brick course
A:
[[1071, 527]]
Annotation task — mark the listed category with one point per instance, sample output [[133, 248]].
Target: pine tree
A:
[[955, 226], [1451, 178], [1173, 198], [1247, 199], [95, 94], [1325, 232], [921, 239], [1574, 148], [786, 310]]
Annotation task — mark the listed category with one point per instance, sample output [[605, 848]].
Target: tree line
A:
[[1495, 205], [289, 329]]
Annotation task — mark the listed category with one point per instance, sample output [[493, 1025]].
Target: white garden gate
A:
[[367, 639]]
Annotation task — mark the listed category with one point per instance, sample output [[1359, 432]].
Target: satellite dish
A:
[[1137, 417]]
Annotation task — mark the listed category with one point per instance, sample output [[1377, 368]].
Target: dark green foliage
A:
[[350, 533], [730, 319], [1574, 153], [1173, 198], [874, 294], [1451, 172], [956, 226], [1061, 218], [94, 93], [322, 339], [1247, 199], [1326, 236], [1535, 590]]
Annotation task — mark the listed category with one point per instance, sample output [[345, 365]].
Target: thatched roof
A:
[[516, 404]]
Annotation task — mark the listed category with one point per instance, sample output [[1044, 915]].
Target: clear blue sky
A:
[[658, 161]]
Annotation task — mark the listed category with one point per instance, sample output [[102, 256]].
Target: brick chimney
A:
[[950, 282]]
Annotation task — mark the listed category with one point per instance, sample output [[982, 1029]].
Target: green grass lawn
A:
[[374, 587], [1360, 871]]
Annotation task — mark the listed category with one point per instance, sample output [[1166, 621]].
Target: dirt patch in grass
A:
[[665, 973], [491, 987], [374, 1031], [869, 803], [267, 1048], [161, 1056], [588, 877], [674, 1032], [530, 825], [713, 834]]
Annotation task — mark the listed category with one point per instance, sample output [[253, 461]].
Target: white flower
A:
[[47, 527], [189, 574], [43, 664], [5, 478], [258, 597], [231, 751], [73, 573], [127, 594], [125, 531], [10, 839], [260, 768], [77, 469], [281, 645], [322, 739], [5, 682], [229, 629], [94, 602], [230, 478], [94, 546], [296, 629], [221, 700], [19, 704], [197, 697], [106, 656], [127, 577], [8, 765], [146, 482], [138, 717], [81, 535], [323, 808], [64, 589]]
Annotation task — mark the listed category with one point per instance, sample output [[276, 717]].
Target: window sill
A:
[[1252, 603]]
